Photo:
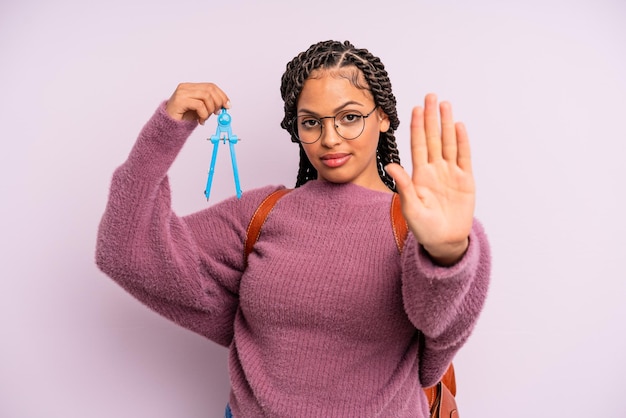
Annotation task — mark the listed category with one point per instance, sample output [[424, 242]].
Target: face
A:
[[336, 159]]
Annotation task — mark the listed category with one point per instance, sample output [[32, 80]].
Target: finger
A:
[[199, 109], [186, 108], [448, 133], [405, 187], [211, 95], [431, 127], [184, 103], [464, 157], [215, 98], [419, 150]]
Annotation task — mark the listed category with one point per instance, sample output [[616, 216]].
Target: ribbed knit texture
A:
[[323, 321]]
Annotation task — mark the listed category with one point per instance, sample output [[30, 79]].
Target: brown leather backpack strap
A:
[[441, 403], [400, 227], [441, 396], [449, 379], [432, 395], [258, 219]]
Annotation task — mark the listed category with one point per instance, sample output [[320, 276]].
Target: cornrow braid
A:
[[334, 54]]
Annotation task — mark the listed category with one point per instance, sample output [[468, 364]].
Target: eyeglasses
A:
[[349, 124]]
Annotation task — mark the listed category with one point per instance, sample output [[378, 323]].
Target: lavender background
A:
[[541, 86]]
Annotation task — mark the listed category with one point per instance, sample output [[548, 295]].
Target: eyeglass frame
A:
[[294, 126]]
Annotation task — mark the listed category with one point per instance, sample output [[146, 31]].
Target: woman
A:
[[321, 319]]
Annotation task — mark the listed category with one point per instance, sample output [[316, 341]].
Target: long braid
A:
[[334, 54]]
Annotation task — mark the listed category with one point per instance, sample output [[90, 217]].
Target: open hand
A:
[[438, 197]]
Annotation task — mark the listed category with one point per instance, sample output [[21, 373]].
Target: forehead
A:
[[327, 89]]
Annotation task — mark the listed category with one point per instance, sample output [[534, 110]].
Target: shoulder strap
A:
[[258, 219], [400, 228]]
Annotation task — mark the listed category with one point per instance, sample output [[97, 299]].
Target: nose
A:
[[330, 137]]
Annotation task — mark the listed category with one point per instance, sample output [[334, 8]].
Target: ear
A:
[[383, 120]]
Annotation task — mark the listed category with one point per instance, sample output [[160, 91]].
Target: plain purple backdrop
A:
[[541, 86]]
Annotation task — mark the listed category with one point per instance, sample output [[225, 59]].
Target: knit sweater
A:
[[322, 320]]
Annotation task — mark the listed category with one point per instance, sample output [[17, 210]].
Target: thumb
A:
[[403, 181], [405, 187]]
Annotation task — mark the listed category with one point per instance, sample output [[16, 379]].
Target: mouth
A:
[[335, 160]]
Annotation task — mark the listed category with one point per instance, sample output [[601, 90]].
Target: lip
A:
[[335, 160]]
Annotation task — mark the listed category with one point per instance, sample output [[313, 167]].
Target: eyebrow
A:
[[337, 109]]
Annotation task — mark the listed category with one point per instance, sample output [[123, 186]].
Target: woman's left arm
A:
[[446, 261], [444, 302]]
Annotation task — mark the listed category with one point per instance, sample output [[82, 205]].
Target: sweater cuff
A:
[[417, 255]]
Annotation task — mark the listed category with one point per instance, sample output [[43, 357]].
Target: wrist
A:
[[447, 254]]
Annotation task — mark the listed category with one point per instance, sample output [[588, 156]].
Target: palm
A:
[[438, 197], [444, 203]]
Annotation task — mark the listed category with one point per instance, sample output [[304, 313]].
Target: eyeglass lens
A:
[[348, 124]]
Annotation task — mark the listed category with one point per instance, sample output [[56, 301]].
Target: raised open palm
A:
[[438, 197]]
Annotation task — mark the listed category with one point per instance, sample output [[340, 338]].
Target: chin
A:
[[339, 179]]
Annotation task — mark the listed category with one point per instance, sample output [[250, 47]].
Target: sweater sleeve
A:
[[444, 303], [185, 268]]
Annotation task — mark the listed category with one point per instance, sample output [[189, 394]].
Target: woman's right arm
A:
[[154, 254]]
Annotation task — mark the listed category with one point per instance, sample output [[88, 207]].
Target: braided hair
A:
[[330, 55]]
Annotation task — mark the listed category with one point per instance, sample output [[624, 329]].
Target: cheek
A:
[[372, 142], [309, 150]]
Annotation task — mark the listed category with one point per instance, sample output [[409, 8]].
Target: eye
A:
[[349, 118], [308, 123]]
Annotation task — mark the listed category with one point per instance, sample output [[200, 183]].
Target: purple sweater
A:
[[322, 322]]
